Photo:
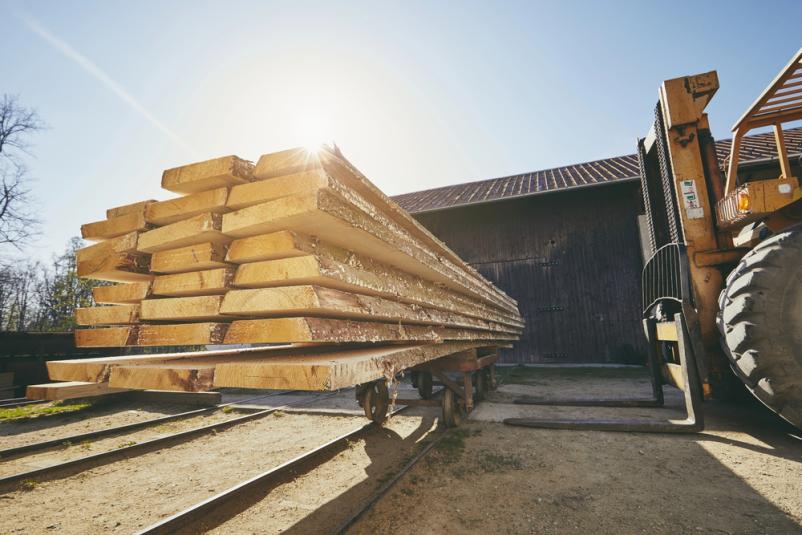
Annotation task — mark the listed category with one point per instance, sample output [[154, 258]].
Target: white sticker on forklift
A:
[[690, 200]]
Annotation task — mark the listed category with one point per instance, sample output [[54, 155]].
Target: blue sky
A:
[[416, 94]]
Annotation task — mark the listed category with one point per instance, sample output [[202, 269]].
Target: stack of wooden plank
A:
[[300, 248]]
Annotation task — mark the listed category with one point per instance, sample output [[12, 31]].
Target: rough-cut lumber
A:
[[370, 278], [201, 308], [192, 377], [170, 211], [181, 334], [133, 208], [326, 302], [268, 190], [336, 221], [286, 162], [340, 169], [108, 315], [69, 390], [206, 282], [330, 371], [121, 244], [336, 331], [219, 172], [106, 336], [116, 267], [198, 229], [121, 294], [99, 369], [271, 246], [113, 227], [190, 258]]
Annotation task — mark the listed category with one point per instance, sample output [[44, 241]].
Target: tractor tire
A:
[[760, 320]]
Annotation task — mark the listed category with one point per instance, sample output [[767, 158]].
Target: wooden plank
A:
[[170, 211], [107, 315], [121, 294], [326, 302], [275, 188], [332, 371], [335, 331], [195, 283], [210, 174], [191, 377], [99, 369], [106, 337], [69, 390], [116, 267], [190, 258], [201, 308], [286, 162], [133, 208], [121, 244], [181, 334], [330, 218], [198, 229], [369, 278], [271, 246], [352, 180], [113, 227]]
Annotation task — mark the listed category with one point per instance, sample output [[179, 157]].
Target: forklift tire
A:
[[760, 321]]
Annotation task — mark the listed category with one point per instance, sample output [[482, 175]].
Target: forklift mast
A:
[[678, 155]]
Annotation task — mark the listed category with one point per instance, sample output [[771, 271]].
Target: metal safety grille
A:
[[665, 277]]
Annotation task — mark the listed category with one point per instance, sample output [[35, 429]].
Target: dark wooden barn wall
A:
[[572, 261]]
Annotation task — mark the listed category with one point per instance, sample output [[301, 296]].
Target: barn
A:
[[566, 244]]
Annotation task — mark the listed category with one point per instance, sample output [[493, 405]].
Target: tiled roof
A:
[[609, 170]]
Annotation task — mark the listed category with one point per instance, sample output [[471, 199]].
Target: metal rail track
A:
[[24, 401], [38, 446], [77, 465], [366, 506], [197, 512]]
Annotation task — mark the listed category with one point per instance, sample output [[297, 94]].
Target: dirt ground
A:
[[101, 416], [743, 475], [69, 450]]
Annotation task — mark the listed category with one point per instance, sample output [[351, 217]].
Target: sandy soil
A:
[[742, 475], [132, 493], [325, 495], [20, 433], [70, 451]]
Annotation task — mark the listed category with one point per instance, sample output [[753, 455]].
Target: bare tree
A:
[[17, 220]]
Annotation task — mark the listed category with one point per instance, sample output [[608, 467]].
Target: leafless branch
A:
[[18, 223]]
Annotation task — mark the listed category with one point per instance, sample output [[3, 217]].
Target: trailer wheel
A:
[[453, 411], [424, 385], [760, 313], [375, 401]]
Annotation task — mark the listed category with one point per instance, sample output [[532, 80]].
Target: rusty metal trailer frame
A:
[[476, 374]]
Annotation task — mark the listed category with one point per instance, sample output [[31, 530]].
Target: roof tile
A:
[[754, 147]]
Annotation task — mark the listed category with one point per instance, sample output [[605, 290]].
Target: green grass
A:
[[28, 484], [491, 461], [35, 411]]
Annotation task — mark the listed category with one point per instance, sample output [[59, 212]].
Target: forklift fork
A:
[[665, 279]]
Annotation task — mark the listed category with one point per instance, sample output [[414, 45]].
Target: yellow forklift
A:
[[722, 291]]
